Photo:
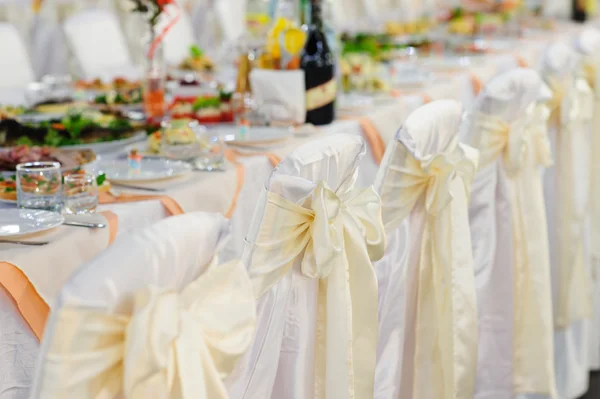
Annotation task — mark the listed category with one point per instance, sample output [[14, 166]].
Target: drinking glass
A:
[[39, 186], [212, 150], [80, 194]]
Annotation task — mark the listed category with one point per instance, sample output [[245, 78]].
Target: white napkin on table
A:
[[280, 93]]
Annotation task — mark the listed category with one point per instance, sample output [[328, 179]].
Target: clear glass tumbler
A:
[[212, 147], [39, 186], [80, 194]]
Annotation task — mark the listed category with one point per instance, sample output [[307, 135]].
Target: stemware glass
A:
[[39, 185]]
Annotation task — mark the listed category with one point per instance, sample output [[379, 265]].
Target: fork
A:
[[32, 243]]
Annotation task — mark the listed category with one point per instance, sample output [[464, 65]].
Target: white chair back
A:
[[428, 309], [566, 192], [297, 260], [154, 315], [15, 68], [510, 246], [96, 39], [588, 45]]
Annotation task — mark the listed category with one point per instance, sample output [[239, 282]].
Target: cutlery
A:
[[85, 224], [32, 243], [157, 190]]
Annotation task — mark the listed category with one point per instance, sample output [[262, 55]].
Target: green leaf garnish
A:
[[100, 179], [196, 52]]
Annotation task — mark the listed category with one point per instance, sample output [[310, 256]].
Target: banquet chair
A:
[[588, 45], [566, 192], [15, 69], [427, 345], [309, 254], [510, 240], [99, 46], [153, 316]]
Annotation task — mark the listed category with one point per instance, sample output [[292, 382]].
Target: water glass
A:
[[80, 194], [212, 151], [39, 186]]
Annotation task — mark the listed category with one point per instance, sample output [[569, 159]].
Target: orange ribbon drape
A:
[[31, 305]]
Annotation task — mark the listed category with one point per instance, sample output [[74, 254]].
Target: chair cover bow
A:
[[576, 109], [445, 327], [172, 346], [432, 177], [340, 234], [517, 145]]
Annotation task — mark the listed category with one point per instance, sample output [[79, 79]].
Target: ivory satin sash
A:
[[337, 236], [515, 145], [445, 326], [591, 74], [175, 345], [574, 290]]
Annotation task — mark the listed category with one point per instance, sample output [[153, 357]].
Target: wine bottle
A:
[[318, 63], [578, 11]]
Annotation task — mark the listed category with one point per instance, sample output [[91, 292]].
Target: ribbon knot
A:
[[175, 345], [501, 139], [337, 235], [430, 177]]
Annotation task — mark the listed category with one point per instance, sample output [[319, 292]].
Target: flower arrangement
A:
[[153, 9]]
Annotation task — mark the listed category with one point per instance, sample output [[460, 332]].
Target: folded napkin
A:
[[280, 94], [171, 206], [33, 276]]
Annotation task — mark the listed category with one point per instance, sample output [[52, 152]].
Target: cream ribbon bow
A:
[[174, 345], [574, 291], [533, 359], [337, 235], [445, 333]]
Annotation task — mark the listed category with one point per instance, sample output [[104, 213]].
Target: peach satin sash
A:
[[31, 305]]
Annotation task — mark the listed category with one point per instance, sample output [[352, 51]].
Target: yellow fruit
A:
[[273, 38], [293, 40]]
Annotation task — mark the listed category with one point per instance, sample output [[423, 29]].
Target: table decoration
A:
[[155, 75]]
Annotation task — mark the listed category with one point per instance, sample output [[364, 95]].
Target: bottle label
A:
[[320, 96]]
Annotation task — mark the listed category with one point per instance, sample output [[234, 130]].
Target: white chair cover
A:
[[427, 345], [18, 350], [96, 39], [309, 254], [588, 44], [15, 69], [566, 191], [151, 317], [510, 246], [557, 8], [50, 53]]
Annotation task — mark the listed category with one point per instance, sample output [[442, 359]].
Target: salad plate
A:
[[22, 222], [152, 170]]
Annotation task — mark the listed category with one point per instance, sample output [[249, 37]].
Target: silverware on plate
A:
[[156, 190], [32, 243], [85, 224]]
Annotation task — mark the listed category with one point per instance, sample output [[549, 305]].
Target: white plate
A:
[[7, 201], [20, 222], [255, 136], [110, 146], [155, 169]]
